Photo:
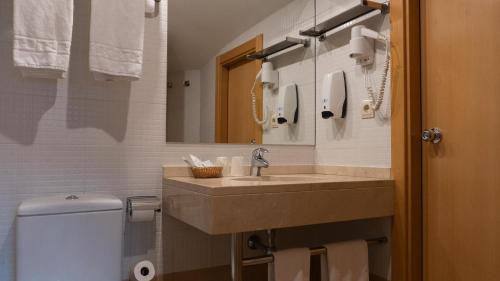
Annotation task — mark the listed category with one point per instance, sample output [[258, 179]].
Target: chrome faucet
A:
[[258, 160]]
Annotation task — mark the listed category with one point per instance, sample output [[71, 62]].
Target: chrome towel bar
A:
[[278, 47], [314, 252], [364, 7]]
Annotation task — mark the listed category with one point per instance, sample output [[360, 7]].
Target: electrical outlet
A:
[[274, 121], [367, 111]]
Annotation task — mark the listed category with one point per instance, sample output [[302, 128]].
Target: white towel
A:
[[42, 37], [116, 39], [291, 265], [347, 261]]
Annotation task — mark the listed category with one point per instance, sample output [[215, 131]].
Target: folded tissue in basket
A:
[[196, 162]]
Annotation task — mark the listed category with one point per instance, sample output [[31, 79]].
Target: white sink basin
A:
[[275, 179]]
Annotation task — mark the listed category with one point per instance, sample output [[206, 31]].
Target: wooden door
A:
[[461, 175], [241, 125], [234, 121]]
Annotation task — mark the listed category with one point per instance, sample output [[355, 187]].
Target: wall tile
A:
[[77, 135], [352, 141]]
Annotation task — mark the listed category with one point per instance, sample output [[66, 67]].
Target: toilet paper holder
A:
[[143, 203]]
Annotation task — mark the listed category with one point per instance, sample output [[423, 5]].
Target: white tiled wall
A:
[[77, 135], [353, 141]]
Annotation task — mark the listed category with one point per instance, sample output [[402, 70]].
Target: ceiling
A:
[[198, 29]]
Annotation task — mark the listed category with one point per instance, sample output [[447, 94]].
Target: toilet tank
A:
[[69, 238]]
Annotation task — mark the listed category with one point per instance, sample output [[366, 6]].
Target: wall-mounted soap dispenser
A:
[[334, 96], [288, 108]]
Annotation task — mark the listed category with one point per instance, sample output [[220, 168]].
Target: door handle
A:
[[433, 135]]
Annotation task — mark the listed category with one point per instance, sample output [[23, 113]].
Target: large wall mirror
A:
[[240, 73]]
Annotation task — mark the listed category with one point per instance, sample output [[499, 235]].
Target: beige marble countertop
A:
[[297, 183], [284, 196]]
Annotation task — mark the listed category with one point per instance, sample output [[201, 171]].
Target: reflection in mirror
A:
[[239, 72]]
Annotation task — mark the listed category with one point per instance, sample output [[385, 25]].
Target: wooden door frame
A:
[[406, 146], [224, 62]]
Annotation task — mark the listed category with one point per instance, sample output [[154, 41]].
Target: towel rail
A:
[[238, 262], [364, 7], [314, 252], [278, 47]]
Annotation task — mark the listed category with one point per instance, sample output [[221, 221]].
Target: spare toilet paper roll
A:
[[143, 271], [141, 216], [150, 6]]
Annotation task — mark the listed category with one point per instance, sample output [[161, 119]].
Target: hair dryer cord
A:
[[376, 100], [254, 104]]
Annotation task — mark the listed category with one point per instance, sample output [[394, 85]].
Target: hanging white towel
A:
[[348, 261], [116, 39], [42, 37], [291, 265]]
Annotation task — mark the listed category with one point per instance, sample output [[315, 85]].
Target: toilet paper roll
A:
[[150, 6], [141, 216], [143, 271]]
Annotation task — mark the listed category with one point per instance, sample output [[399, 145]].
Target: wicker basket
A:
[[207, 172]]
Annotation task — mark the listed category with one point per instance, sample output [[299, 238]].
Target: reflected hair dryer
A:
[[363, 44]]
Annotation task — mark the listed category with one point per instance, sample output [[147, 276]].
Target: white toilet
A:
[[69, 238]]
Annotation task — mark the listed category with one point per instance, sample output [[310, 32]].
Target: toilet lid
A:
[[68, 203]]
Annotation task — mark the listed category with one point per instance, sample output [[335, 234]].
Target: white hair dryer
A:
[[363, 51], [267, 75], [269, 78], [363, 44]]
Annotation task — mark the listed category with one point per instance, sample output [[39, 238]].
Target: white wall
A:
[[175, 107], [296, 66], [183, 107], [353, 141], [207, 110], [77, 135], [192, 95]]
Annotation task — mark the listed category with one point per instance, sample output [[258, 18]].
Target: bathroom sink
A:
[[234, 205], [274, 179]]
